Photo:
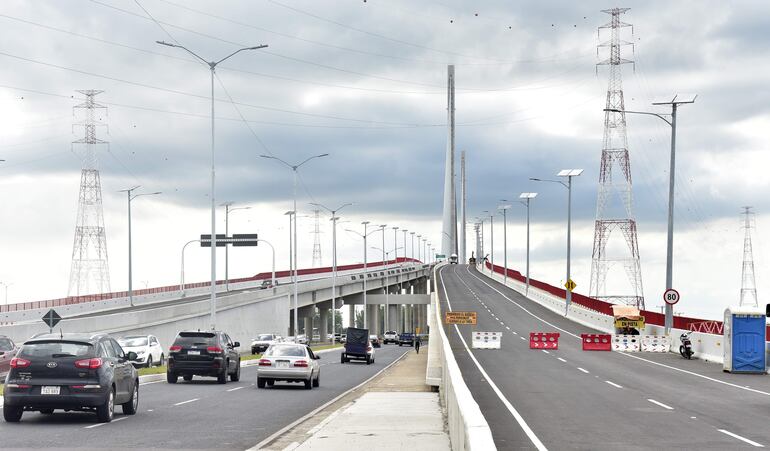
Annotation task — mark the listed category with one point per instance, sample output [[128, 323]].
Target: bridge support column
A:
[[306, 320], [373, 318], [393, 317], [323, 328], [351, 315]]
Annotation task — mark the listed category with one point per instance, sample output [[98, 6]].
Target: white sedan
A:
[[148, 350], [291, 363]]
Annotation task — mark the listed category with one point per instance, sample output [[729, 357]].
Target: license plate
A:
[[46, 390], [282, 365], [191, 352]]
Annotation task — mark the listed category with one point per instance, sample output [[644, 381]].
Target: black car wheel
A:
[[12, 414], [222, 377], [162, 360], [149, 361], [309, 383], [171, 377], [342, 358], [236, 376], [130, 407], [317, 380], [260, 383], [105, 412]]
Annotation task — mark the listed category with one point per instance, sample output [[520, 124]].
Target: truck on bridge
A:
[[357, 346]]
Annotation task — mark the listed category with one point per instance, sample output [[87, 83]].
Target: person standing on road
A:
[[417, 343]]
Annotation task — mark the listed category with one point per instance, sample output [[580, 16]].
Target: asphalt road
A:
[[196, 415], [574, 399]]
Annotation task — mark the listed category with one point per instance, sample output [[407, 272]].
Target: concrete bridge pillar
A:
[[393, 317], [351, 315], [305, 315], [323, 328], [373, 318]]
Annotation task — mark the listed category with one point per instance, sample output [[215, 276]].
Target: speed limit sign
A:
[[671, 296]]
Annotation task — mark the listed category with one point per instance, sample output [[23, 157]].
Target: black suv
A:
[[71, 371], [210, 353]]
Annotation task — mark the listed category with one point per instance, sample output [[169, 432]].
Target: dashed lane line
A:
[[236, 388], [187, 402], [102, 424], [583, 370], [562, 360], [614, 384], [658, 403], [743, 439]]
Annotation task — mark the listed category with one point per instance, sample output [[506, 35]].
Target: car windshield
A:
[[286, 351], [6, 344], [56, 349], [195, 339], [265, 337], [133, 341]]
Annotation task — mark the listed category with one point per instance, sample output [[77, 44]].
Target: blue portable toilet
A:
[[744, 339]]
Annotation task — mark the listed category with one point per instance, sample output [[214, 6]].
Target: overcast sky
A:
[[366, 83]]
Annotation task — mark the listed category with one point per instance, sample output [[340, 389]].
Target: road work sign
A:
[[460, 318], [570, 285], [621, 323]]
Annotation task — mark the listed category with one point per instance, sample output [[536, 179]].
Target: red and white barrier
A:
[[487, 340], [543, 340], [626, 343], [655, 343], [596, 342]]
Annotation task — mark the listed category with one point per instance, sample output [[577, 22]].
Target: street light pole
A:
[[294, 168], [181, 281], [527, 197], [229, 210], [212, 67], [675, 101], [366, 274], [128, 192], [334, 257], [412, 233], [505, 208], [568, 173], [272, 275], [293, 275]]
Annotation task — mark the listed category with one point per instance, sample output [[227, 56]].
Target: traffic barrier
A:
[[655, 343], [487, 340], [596, 342], [543, 340], [626, 343]]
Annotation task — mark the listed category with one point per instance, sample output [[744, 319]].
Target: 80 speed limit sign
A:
[[671, 296]]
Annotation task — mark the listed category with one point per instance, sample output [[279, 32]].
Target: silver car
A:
[[291, 363]]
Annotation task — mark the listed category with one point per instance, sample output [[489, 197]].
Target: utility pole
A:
[[449, 218], [748, 283], [463, 195]]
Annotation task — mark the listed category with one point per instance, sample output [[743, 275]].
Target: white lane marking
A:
[[152, 382], [188, 401], [585, 371], [614, 384], [102, 424], [743, 439], [507, 327], [622, 353], [502, 323], [561, 359], [523, 338], [545, 351], [519, 419], [236, 388], [662, 405], [514, 333]]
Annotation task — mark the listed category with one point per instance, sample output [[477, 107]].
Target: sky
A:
[[365, 82]]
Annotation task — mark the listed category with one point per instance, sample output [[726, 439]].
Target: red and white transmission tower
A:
[[614, 203], [90, 271]]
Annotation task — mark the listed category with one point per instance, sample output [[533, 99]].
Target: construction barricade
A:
[[596, 342], [486, 340], [543, 340], [655, 343], [626, 343]]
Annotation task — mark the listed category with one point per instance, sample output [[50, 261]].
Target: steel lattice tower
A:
[[614, 203], [90, 272], [748, 283], [317, 261]]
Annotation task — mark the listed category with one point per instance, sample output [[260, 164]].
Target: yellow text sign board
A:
[[460, 318], [622, 323], [570, 285]]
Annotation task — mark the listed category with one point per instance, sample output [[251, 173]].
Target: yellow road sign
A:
[[417, 330], [570, 285], [621, 323], [460, 318]]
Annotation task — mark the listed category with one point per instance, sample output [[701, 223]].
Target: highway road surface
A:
[[574, 399], [196, 415]]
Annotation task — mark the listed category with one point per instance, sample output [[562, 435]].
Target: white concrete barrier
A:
[[656, 343], [487, 340], [468, 429], [626, 343]]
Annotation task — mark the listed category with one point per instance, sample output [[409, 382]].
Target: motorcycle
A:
[[686, 347]]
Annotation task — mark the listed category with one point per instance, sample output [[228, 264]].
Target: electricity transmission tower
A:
[[614, 203], [90, 272], [748, 283], [317, 261]]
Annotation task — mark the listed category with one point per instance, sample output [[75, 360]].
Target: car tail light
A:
[[302, 363], [90, 364], [214, 349], [265, 362], [16, 362], [175, 348], [368, 348], [20, 386]]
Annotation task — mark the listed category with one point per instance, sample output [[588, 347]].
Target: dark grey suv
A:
[[71, 371], [210, 353]]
